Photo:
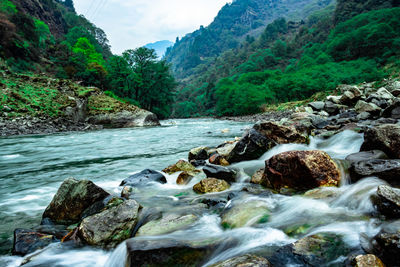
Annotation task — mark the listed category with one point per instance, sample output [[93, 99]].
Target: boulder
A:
[[220, 172], [110, 227], [217, 159], [393, 110], [350, 97], [125, 119], [384, 137], [388, 170], [383, 93], [318, 105], [257, 177], [387, 201], [210, 185], [181, 165], [226, 148], [262, 137], [198, 153], [368, 260], [126, 191], [184, 178], [386, 245], [334, 99], [167, 224], [363, 106], [198, 163], [72, 199], [27, 241], [331, 108], [247, 260], [143, 177], [245, 214], [366, 155]]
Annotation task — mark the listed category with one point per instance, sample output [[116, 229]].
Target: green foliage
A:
[[7, 7], [43, 33]]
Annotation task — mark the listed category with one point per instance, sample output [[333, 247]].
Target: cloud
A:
[[133, 23]]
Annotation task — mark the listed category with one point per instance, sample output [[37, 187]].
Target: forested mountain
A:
[[160, 47], [236, 22]]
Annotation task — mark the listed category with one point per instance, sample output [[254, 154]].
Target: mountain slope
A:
[[231, 27], [160, 47]]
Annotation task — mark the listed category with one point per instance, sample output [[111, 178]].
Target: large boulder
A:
[[112, 226], [219, 172], [167, 224], [301, 170], [198, 153], [262, 137], [72, 199], [384, 137], [388, 170], [245, 214], [210, 185], [363, 106], [181, 165], [386, 245], [366, 155], [143, 177], [387, 201], [247, 260], [27, 241], [125, 119]]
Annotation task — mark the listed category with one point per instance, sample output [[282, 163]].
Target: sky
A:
[[133, 23]]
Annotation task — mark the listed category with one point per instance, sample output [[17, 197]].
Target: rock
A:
[[386, 245], [257, 177], [323, 113], [247, 260], [262, 137], [210, 185], [387, 201], [126, 191], [382, 93], [321, 193], [217, 159], [333, 99], [308, 110], [144, 177], [225, 149], [181, 165], [331, 108], [371, 108], [198, 163], [301, 170], [167, 224], [219, 172], [384, 137], [72, 199], [367, 261], [198, 153], [350, 97], [99, 206], [125, 119], [245, 214], [366, 155], [112, 226], [27, 241], [364, 116], [393, 110], [184, 178], [388, 170], [318, 105]]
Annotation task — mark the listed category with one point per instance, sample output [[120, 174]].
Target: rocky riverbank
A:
[[155, 228]]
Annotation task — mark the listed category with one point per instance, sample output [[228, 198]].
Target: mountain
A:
[[160, 47], [234, 23]]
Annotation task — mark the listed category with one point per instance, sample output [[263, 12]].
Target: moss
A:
[[226, 225], [264, 219]]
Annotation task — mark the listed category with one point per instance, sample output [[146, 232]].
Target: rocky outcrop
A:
[[301, 170], [125, 119], [167, 224], [385, 169], [247, 260], [219, 172], [72, 199], [210, 185], [387, 201], [383, 137], [110, 227], [144, 177]]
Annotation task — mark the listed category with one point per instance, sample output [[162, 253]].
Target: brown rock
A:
[[244, 261], [369, 260], [181, 165], [210, 185], [257, 177], [217, 159], [384, 137], [184, 178]]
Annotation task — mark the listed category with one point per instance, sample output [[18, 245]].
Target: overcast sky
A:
[[134, 23]]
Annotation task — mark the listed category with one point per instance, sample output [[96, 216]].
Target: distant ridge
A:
[[160, 47]]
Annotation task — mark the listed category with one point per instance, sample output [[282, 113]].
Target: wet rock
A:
[[371, 108], [257, 177], [184, 178], [386, 245], [388, 170], [226, 148], [198, 153], [244, 261], [27, 241], [126, 191], [351, 96], [125, 119], [301, 170], [110, 227], [382, 93], [383, 137], [72, 199], [181, 165], [331, 108], [321, 193], [367, 261], [210, 185], [217, 159], [245, 214], [318, 105], [220, 172], [387, 201], [144, 177], [97, 206], [167, 224], [198, 163], [393, 110], [366, 155]]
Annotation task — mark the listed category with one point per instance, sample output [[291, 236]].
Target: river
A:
[[33, 167]]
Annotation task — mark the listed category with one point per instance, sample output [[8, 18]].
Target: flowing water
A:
[[33, 167]]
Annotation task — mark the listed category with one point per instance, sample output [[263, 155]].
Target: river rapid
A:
[[33, 167]]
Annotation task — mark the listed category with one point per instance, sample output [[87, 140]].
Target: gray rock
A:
[[167, 224], [384, 137], [364, 116], [244, 261], [331, 108], [366, 155], [392, 111], [198, 153], [125, 119], [27, 241], [388, 170], [387, 201], [363, 106], [245, 213], [144, 177], [386, 245], [220, 172]]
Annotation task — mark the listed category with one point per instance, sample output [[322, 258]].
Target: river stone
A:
[[368, 260], [331, 108], [198, 153], [388, 170], [257, 177], [384, 137], [220, 172], [125, 119], [226, 148], [350, 98], [144, 177], [112, 226], [247, 260], [386, 245], [72, 199], [210, 185], [27, 241], [387, 201], [366, 155], [184, 178], [217, 159], [318, 105], [181, 165], [168, 224], [301, 170], [363, 106], [393, 110], [262, 137], [245, 214]]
